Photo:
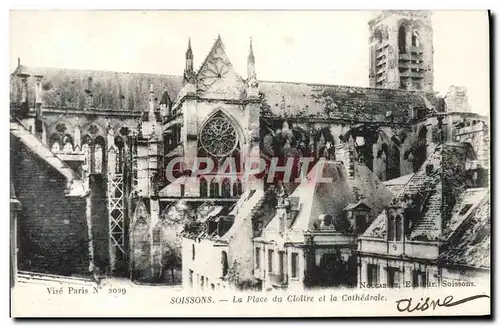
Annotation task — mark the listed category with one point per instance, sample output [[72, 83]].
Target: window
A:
[[419, 278], [226, 188], [257, 258], [360, 223], [193, 251], [390, 229], [295, 257], [99, 146], [328, 220], [225, 264], [372, 274], [392, 277], [218, 136], [281, 259], [214, 189], [399, 228], [395, 229], [203, 188], [415, 39], [56, 147], [237, 188], [402, 39], [270, 254], [183, 190]]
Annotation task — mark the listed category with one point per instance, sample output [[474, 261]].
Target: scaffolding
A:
[[116, 210]]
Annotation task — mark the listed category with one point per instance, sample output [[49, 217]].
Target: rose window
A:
[[218, 137]]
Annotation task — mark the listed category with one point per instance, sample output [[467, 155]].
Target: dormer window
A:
[[395, 228], [357, 213], [328, 220]]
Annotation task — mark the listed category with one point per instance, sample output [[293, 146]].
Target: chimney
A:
[[38, 106], [151, 114], [23, 74]]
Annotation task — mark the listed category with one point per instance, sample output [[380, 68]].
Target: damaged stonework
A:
[[440, 216], [62, 243], [410, 172]]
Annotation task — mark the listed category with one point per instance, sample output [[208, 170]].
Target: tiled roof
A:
[[470, 245], [402, 180], [65, 88], [346, 102], [465, 206], [331, 198], [431, 192]]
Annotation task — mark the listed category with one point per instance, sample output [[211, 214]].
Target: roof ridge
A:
[[349, 86], [95, 71]]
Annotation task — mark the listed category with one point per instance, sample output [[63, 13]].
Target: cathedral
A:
[[103, 179]]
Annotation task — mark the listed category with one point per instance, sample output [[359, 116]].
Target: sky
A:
[[328, 47]]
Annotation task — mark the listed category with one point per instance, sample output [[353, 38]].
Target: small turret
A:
[[252, 83], [189, 71]]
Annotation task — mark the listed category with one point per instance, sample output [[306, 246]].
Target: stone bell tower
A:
[[401, 50]]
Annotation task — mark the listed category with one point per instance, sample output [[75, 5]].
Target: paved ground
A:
[[27, 278]]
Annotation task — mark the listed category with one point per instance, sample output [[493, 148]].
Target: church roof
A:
[[67, 88], [302, 100]]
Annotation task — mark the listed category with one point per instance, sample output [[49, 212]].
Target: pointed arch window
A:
[[214, 189], [67, 144], [98, 160], [399, 228], [120, 145], [237, 188], [390, 228], [55, 143], [203, 188], [226, 188], [402, 39]]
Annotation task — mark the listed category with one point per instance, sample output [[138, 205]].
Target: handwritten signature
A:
[[422, 305]]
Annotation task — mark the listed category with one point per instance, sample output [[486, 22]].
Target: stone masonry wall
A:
[[52, 229]]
